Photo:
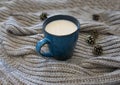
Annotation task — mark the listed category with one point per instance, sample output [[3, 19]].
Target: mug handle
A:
[[40, 44]]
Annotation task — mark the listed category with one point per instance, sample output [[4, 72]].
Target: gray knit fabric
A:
[[20, 29]]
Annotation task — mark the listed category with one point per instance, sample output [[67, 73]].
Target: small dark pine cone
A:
[[43, 16], [94, 33], [90, 40], [98, 50], [96, 17]]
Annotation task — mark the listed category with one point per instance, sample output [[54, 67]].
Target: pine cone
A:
[[96, 17], [43, 16], [91, 40], [98, 50]]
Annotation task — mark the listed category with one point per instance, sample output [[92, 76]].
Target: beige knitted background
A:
[[20, 29]]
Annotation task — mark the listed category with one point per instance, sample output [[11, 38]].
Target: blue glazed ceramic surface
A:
[[60, 47]]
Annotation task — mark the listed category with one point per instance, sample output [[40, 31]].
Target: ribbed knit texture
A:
[[21, 28]]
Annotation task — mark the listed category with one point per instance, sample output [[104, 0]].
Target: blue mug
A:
[[60, 47]]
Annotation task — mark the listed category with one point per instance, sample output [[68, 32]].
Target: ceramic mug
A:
[[60, 47]]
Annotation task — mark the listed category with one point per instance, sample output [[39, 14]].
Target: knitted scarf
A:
[[21, 28]]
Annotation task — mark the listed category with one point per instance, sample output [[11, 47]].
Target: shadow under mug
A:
[[60, 47]]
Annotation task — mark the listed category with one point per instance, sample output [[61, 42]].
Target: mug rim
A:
[[64, 17]]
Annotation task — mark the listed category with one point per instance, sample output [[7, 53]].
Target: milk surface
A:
[[61, 27]]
